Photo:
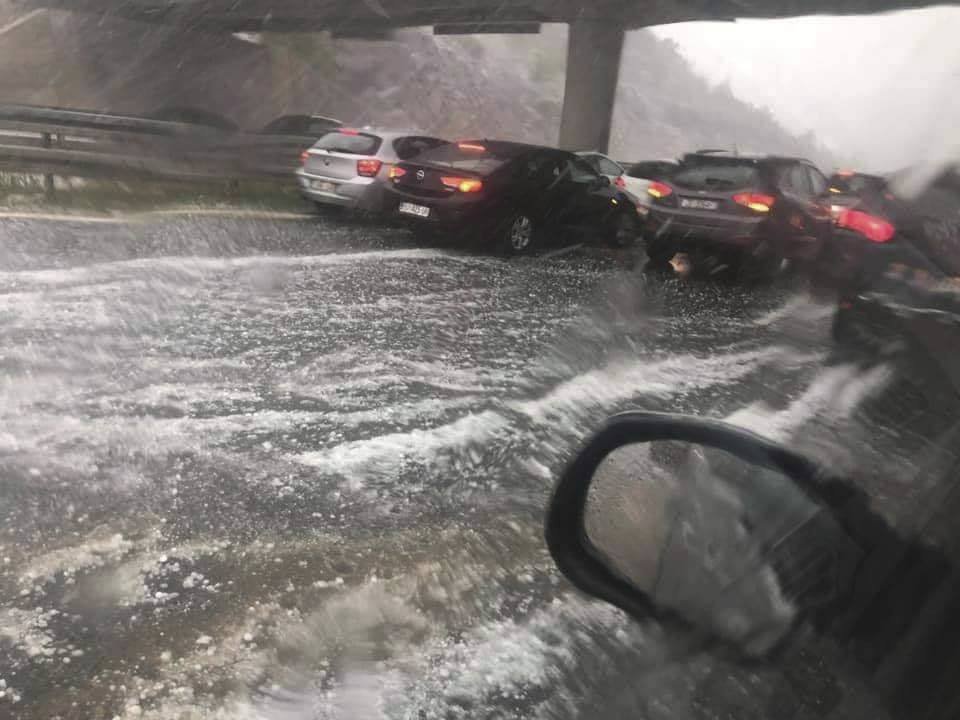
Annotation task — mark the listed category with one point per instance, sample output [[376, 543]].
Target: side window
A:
[[591, 160], [818, 183], [580, 171], [608, 167], [409, 147], [796, 182]]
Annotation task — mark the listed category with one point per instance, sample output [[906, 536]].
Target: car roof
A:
[[509, 147], [387, 134], [748, 157], [856, 173]]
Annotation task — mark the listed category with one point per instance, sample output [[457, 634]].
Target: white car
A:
[[618, 176], [344, 166]]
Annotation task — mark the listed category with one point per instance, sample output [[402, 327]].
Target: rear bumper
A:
[[688, 231], [463, 214], [360, 193]]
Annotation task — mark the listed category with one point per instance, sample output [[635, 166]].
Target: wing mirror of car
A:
[[702, 526], [601, 182]]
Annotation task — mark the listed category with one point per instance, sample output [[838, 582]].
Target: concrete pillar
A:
[[593, 68]]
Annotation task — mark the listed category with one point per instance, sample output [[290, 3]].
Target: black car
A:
[[748, 213], [516, 196], [875, 228], [868, 220]]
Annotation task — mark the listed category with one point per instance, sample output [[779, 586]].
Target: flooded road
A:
[[294, 469]]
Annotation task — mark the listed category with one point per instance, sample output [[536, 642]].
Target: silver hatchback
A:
[[344, 166]]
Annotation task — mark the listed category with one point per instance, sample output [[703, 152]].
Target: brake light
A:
[[397, 172], [304, 156], [758, 202], [659, 190], [874, 228], [471, 146], [464, 185], [368, 167], [348, 131], [620, 182]]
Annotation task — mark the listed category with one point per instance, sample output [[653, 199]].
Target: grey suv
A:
[[343, 167]]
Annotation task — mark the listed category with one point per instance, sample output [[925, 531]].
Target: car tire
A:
[[518, 234], [659, 253], [327, 209], [624, 231], [753, 268]]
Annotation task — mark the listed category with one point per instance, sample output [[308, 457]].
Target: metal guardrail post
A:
[[46, 141]]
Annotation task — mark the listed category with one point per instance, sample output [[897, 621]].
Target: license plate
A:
[[695, 204], [323, 186], [411, 209]]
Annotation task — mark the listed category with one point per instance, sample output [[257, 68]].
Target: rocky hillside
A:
[[510, 87]]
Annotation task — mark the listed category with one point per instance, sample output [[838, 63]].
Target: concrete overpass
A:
[[595, 39]]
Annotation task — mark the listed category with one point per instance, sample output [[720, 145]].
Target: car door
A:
[[794, 225], [583, 198], [820, 217]]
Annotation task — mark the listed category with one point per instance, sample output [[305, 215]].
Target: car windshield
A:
[[847, 183], [474, 156], [715, 175], [351, 143], [283, 401]]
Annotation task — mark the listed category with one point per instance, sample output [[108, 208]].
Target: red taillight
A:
[[348, 131], [473, 147], [464, 185], [397, 172], [874, 228], [620, 182], [659, 190], [368, 167], [304, 156], [758, 202]]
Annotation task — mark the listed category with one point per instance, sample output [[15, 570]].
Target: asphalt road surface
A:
[[297, 468]]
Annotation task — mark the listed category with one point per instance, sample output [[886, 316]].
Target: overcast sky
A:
[[882, 90]]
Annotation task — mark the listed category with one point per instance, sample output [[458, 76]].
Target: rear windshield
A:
[[409, 147], [854, 184], [699, 175], [472, 159], [319, 125], [351, 143], [652, 170]]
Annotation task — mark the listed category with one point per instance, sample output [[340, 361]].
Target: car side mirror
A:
[[601, 182], [700, 525]]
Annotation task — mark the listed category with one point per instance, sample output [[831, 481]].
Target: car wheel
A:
[[518, 234], [659, 253], [625, 231], [326, 209], [758, 268]]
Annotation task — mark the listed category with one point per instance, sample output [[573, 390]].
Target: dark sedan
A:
[[518, 197], [747, 213]]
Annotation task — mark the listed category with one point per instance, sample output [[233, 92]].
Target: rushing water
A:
[[269, 469]]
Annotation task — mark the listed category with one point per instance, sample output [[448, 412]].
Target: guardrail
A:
[[53, 141]]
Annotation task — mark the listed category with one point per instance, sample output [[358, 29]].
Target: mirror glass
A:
[[735, 549]]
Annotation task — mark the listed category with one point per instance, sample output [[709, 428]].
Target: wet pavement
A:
[[297, 468]]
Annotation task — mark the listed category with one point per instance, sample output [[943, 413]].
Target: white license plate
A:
[[695, 204], [411, 209], [323, 186]]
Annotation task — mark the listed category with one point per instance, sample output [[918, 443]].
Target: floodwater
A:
[[297, 469]]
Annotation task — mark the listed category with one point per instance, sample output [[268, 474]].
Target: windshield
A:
[[349, 143], [283, 401], [475, 156], [715, 175]]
